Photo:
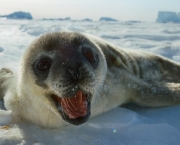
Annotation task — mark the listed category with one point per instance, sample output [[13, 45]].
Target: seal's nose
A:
[[76, 74]]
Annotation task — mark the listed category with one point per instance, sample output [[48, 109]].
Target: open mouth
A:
[[76, 109]]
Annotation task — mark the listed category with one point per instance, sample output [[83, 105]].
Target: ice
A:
[[18, 15], [107, 19], [127, 125], [1, 49], [165, 17], [149, 134], [5, 117]]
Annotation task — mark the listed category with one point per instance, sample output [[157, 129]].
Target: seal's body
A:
[[69, 76]]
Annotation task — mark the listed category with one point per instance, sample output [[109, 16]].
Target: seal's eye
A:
[[90, 56], [43, 65]]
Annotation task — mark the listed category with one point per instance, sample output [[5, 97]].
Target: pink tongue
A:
[[76, 106]]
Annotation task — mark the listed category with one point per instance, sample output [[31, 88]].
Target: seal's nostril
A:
[[75, 74]]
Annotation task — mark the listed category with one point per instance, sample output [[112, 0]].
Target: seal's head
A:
[[67, 71]]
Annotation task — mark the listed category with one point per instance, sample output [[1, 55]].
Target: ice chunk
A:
[[107, 19], [164, 17], [1, 49], [18, 15]]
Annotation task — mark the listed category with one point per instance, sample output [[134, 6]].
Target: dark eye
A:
[[90, 56], [43, 65]]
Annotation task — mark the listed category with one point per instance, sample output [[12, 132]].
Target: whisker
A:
[[49, 112], [39, 109]]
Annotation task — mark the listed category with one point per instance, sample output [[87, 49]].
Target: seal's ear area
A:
[[5, 77]]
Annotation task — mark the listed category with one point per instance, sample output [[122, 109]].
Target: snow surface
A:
[[127, 125]]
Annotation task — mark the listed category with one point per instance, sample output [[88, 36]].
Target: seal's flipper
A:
[[5, 79], [153, 94]]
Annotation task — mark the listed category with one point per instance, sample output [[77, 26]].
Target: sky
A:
[[143, 10]]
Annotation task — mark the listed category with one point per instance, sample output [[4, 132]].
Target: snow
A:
[[126, 125], [164, 17]]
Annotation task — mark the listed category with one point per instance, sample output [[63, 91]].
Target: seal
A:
[[68, 77]]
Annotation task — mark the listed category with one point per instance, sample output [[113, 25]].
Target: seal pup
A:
[[66, 77]]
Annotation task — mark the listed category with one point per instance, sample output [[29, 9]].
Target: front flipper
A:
[[153, 94], [6, 76]]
